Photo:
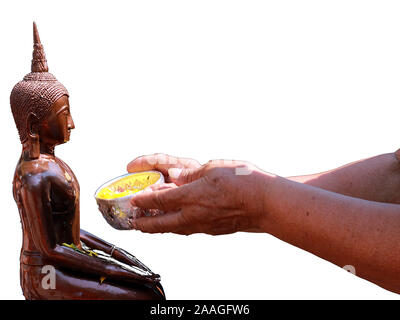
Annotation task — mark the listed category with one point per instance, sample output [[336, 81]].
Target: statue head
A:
[[40, 105]]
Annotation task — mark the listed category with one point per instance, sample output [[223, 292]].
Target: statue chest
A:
[[64, 196]]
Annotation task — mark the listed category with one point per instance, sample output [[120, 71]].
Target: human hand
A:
[[161, 162], [219, 197]]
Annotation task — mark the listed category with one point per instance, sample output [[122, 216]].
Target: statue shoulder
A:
[[38, 172]]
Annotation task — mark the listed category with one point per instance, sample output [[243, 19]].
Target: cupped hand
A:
[[220, 197]]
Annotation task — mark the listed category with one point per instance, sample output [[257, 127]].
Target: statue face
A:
[[56, 128]]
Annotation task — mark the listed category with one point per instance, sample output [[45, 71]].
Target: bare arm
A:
[[376, 179], [342, 229], [338, 228]]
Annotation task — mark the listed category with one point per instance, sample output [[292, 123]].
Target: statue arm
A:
[[117, 253], [94, 242], [35, 197]]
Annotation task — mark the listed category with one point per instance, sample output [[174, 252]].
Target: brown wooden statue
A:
[[58, 260]]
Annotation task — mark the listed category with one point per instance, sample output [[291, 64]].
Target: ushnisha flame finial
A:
[[39, 62]]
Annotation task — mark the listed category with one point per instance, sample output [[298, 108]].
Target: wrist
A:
[[257, 199]]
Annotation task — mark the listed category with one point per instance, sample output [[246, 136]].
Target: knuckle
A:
[[193, 163], [162, 158], [184, 175], [210, 164], [208, 169], [213, 178], [155, 158], [159, 225], [159, 200], [189, 175], [171, 160], [149, 159], [183, 220]]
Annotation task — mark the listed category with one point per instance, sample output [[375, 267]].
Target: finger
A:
[[168, 222], [161, 186], [167, 199], [160, 162], [186, 175]]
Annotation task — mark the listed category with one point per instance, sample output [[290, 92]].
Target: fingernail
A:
[[174, 173]]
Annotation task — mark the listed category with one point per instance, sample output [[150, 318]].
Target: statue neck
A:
[[44, 149]]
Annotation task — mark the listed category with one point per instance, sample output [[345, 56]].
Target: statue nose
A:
[[71, 124]]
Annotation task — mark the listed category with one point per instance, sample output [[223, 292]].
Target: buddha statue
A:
[[59, 260]]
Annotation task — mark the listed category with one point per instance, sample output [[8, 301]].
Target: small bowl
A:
[[114, 196]]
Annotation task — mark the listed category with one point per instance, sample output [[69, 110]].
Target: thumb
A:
[[182, 176]]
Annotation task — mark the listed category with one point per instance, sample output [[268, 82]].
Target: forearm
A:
[[338, 228], [68, 258], [96, 243], [375, 179]]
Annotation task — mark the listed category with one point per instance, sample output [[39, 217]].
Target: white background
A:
[[295, 87]]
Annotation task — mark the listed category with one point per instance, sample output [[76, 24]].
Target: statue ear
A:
[[32, 127], [32, 124]]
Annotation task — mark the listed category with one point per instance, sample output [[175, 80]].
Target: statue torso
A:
[[50, 181]]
